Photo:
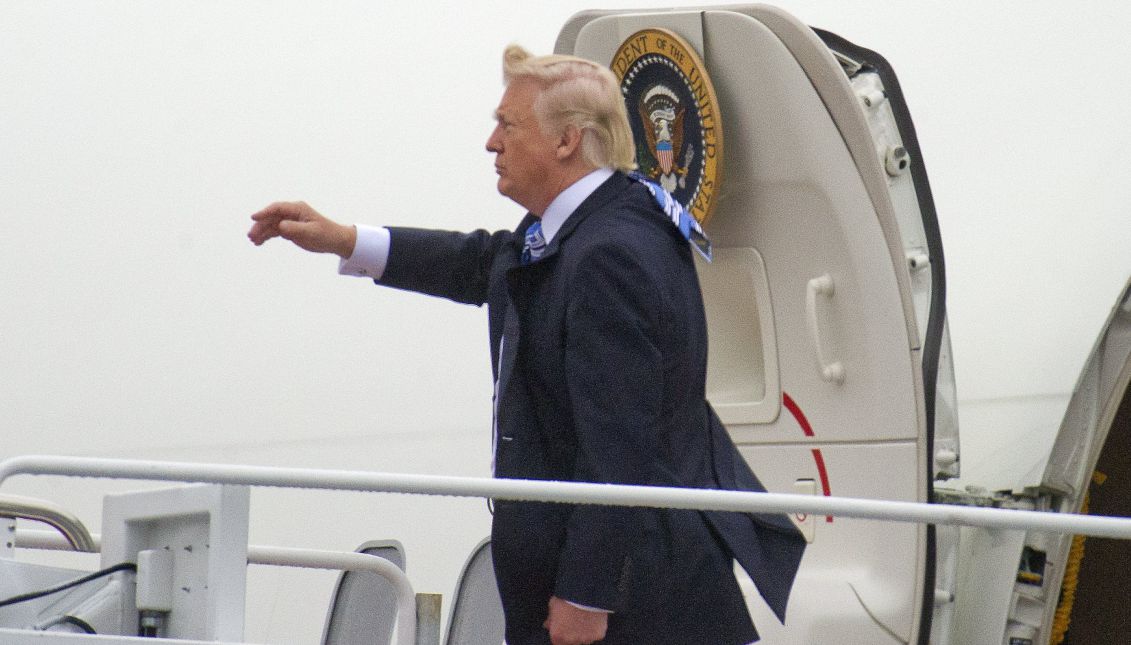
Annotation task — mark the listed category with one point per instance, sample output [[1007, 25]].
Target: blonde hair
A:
[[578, 92]]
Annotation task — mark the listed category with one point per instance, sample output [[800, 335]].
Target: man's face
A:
[[525, 157]]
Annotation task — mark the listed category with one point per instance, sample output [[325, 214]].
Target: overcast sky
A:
[[137, 137]]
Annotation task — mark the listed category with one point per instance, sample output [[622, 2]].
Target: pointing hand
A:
[[304, 226]]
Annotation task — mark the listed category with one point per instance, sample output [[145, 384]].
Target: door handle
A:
[[804, 521], [831, 371]]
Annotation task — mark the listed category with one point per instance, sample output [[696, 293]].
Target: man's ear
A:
[[569, 143]]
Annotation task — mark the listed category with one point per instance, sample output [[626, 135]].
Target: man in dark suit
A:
[[599, 348]]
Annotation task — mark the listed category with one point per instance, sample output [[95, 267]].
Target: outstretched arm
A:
[[305, 227]]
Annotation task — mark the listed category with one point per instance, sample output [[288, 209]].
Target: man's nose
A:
[[493, 144]]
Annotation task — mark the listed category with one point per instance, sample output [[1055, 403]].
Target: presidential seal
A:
[[674, 115]]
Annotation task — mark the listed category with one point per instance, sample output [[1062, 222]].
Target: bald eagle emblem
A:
[[662, 115]]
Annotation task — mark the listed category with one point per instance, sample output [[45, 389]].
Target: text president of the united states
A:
[[599, 349]]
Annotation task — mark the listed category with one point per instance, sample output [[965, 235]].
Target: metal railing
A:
[[569, 493], [407, 603], [552, 491], [37, 510]]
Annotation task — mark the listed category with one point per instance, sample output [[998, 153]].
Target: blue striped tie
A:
[[533, 244]]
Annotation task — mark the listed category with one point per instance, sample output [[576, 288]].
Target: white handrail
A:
[[570, 492], [37, 510], [312, 559], [288, 557]]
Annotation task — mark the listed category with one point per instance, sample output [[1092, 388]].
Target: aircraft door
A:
[[815, 362], [1047, 588]]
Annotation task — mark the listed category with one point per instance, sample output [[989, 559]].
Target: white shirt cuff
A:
[[588, 608], [370, 253]]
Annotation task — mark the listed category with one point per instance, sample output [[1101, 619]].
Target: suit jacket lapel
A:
[[608, 190], [506, 345], [509, 345], [517, 274]]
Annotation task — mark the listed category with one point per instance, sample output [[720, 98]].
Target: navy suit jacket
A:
[[600, 353]]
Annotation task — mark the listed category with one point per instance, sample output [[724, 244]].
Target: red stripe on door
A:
[[818, 458], [824, 476], [797, 414]]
